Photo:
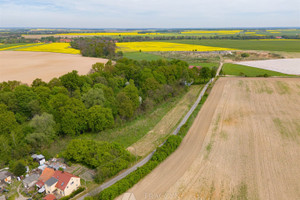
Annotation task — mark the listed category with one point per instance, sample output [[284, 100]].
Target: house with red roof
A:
[[49, 197], [45, 176], [62, 183]]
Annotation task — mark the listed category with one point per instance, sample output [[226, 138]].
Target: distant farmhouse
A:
[[192, 66]]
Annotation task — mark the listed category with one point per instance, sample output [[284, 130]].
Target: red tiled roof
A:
[[46, 174], [49, 197], [63, 179], [191, 67], [40, 183]]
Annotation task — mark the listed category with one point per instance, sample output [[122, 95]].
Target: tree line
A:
[[32, 117], [95, 47]]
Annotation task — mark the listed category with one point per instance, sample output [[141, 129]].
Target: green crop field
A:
[[141, 56], [268, 45], [209, 65], [238, 70]]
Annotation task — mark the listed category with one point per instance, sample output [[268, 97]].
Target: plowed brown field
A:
[[244, 144], [27, 66]]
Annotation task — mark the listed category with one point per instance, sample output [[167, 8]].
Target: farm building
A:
[[62, 183]]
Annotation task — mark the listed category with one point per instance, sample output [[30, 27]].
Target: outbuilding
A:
[[39, 158], [5, 177]]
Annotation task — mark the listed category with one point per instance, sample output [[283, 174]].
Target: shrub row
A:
[[73, 194], [123, 185]]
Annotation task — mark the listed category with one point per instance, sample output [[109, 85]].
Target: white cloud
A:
[[145, 13]]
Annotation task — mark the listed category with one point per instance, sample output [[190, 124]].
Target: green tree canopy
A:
[[94, 96], [100, 118], [7, 120]]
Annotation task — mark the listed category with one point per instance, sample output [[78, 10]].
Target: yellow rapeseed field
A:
[[111, 34], [165, 46], [52, 47], [221, 32]]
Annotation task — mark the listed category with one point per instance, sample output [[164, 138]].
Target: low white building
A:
[[39, 158]]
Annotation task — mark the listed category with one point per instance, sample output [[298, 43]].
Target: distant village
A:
[[49, 180]]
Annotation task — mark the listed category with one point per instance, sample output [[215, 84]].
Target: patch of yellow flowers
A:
[[165, 46], [220, 32], [52, 47], [111, 34]]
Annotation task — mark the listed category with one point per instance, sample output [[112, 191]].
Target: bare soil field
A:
[[244, 144], [27, 66], [53, 35], [286, 66], [166, 125]]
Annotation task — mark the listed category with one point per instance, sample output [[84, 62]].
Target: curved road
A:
[[147, 158]]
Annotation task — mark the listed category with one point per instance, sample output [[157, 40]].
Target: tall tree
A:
[[100, 118], [94, 96], [7, 120]]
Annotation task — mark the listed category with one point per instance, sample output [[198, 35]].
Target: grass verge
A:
[[142, 56], [242, 70]]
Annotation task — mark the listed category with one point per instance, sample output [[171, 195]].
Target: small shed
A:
[[39, 158], [30, 181]]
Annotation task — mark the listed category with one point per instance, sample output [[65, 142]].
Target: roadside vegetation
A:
[[171, 144]]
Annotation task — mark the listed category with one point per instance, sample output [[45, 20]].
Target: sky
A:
[[149, 13]]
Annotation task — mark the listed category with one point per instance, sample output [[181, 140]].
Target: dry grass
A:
[[166, 125]]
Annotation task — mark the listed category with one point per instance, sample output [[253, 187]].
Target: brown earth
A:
[[166, 125], [244, 144], [27, 66], [53, 35]]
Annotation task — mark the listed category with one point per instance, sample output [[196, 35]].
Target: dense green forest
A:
[[33, 117], [95, 47]]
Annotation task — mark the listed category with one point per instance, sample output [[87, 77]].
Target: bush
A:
[[73, 194], [123, 185], [245, 55], [108, 158]]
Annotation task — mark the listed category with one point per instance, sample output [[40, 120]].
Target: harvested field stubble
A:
[[27, 66], [244, 144]]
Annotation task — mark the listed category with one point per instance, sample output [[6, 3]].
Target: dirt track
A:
[[244, 144], [27, 66]]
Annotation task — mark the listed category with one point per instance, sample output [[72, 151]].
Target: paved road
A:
[[146, 159]]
